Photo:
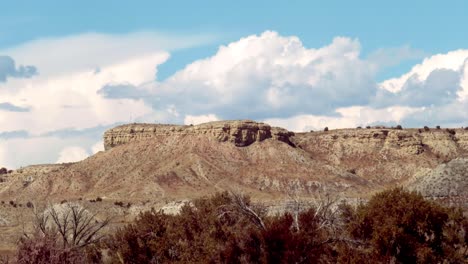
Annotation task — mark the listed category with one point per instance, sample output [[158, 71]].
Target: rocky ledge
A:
[[240, 132]]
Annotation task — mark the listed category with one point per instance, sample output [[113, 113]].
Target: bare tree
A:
[[239, 205], [75, 225], [61, 232]]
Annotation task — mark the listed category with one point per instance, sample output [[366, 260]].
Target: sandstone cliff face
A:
[[384, 156], [241, 133]]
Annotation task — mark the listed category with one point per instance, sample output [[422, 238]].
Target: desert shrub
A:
[[426, 128], [325, 129], [404, 227], [359, 127], [466, 128], [451, 131], [42, 248], [222, 229], [29, 204], [368, 127], [3, 171], [395, 226], [98, 199], [399, 127], [437, 127], [119, 203]]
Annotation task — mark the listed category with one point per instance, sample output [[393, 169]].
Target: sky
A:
[[71, 70]]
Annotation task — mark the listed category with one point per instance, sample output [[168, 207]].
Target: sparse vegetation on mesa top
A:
[[5, 171]]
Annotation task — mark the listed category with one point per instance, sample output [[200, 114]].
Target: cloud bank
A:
[[95, 81]]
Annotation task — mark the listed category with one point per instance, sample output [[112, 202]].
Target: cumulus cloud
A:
[[271, 75], [453, 60], [8, 69], [438, 85], [95, 81], [195, 120], [72, 154], [348, 117], [121, 91], [56, 107], [439, 88]]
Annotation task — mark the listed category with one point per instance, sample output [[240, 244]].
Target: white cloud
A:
[[3, 155], [463, 93], [349, 117], [17, 152], [64, 93], [271, 75], [72, 154], [95, 80], [99, 146], [195, 120], [64, 55], [453, 60]]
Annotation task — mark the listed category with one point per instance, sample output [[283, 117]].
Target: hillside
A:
[[150, 165], [146, 161]]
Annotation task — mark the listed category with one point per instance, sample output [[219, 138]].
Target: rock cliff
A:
[[241, 133]]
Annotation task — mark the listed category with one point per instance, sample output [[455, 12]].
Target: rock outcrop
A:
[[241, 133]]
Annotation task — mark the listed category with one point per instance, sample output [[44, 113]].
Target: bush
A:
[[437, 127], [399, 127], [426, 128], [325, 129], [44, 249], [403, 227], [225, 228], [395, 226], [451, 131]]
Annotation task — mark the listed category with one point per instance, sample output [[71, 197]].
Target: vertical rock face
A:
[[241, 133]]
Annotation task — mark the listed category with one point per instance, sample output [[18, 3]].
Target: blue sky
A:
[[70, 70], [430, 26]]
